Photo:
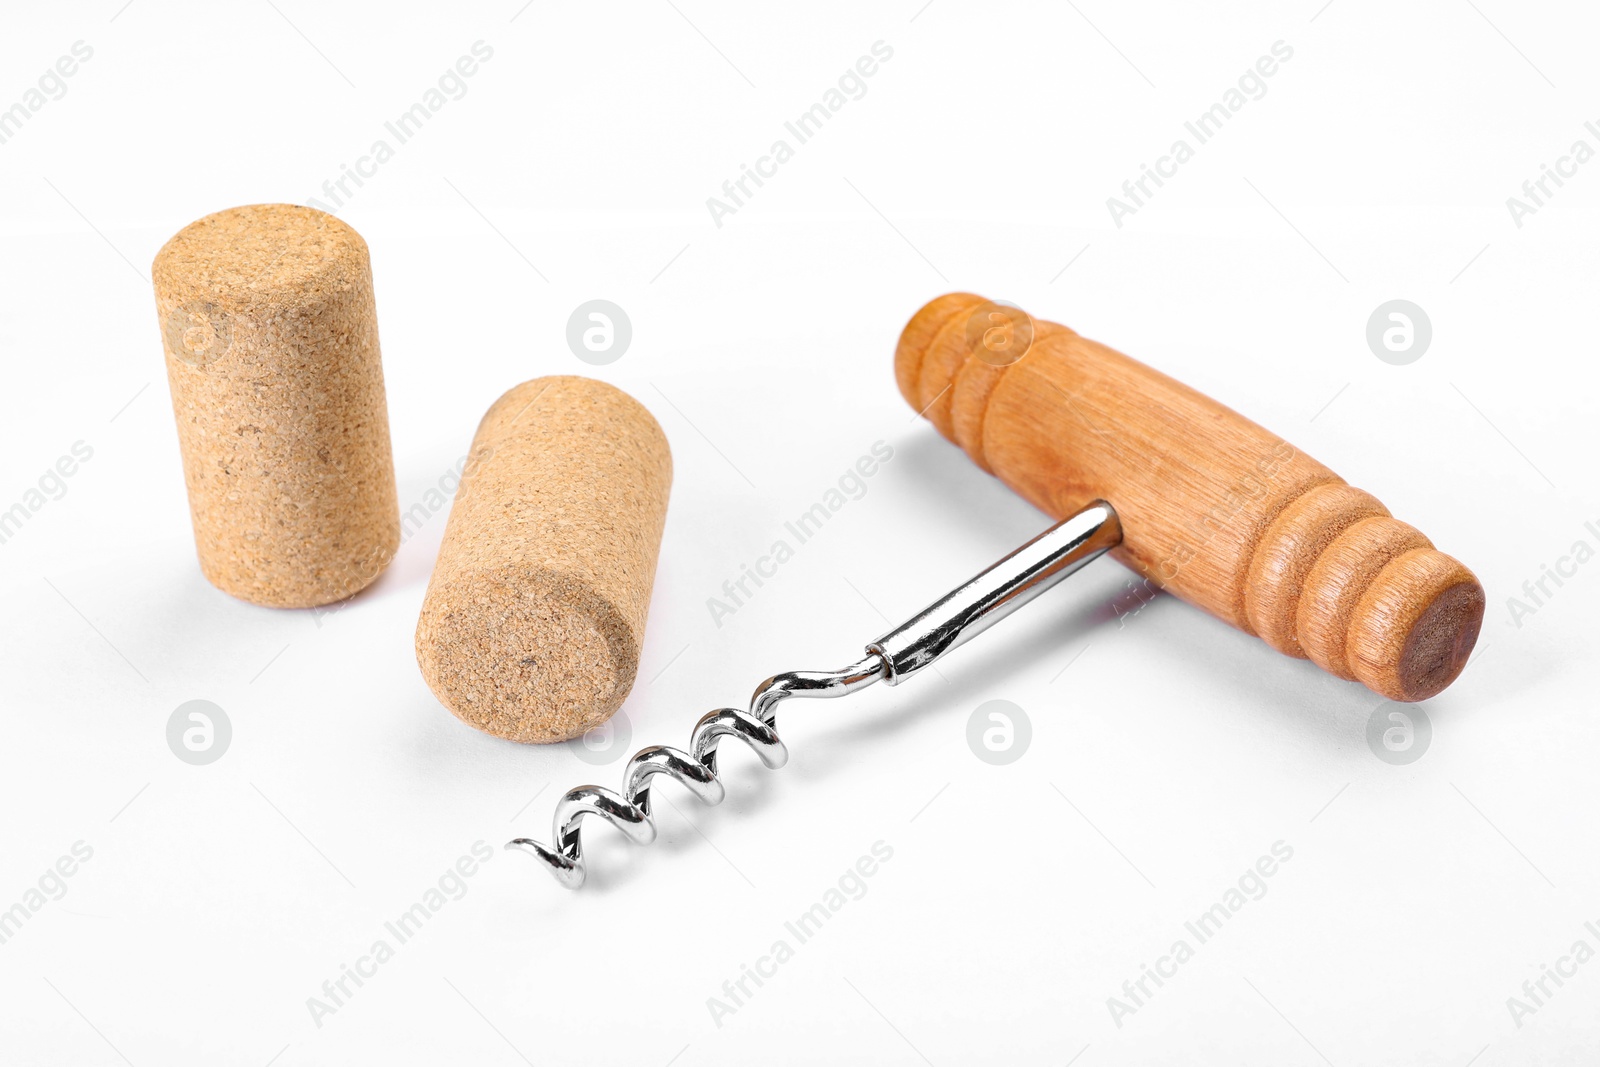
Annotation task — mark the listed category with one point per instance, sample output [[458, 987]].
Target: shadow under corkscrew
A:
[[944, 625], [629, 810]]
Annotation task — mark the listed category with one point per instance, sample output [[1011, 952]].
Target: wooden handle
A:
[[1214, 508]]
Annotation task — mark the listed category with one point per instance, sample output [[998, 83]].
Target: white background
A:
[[1168, 751]]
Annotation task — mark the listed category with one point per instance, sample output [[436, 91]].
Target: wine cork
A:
[[533, 620], [271, 339]]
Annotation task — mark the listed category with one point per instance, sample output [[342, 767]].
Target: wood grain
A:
[[1215, 509]]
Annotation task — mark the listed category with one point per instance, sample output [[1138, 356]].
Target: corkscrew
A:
[[1218, 511], [944, 625]]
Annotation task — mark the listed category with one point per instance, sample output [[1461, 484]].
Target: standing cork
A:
[[532, 623], [271, 339]]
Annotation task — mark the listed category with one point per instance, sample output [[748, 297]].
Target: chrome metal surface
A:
[[629, 811], [973, 607], [947, 623]]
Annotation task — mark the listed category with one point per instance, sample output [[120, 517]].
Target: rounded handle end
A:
[[1414, 627], [1336, 579]]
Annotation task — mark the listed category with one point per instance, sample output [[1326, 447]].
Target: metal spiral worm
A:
[[947, 623], [629, 810]]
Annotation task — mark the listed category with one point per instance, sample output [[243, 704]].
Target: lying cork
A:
[[533, 621], [271, 339]]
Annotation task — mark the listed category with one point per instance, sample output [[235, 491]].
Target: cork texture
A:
[[533, 621], [271, 338]]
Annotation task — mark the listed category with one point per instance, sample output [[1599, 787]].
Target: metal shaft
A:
[[971, 608]]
